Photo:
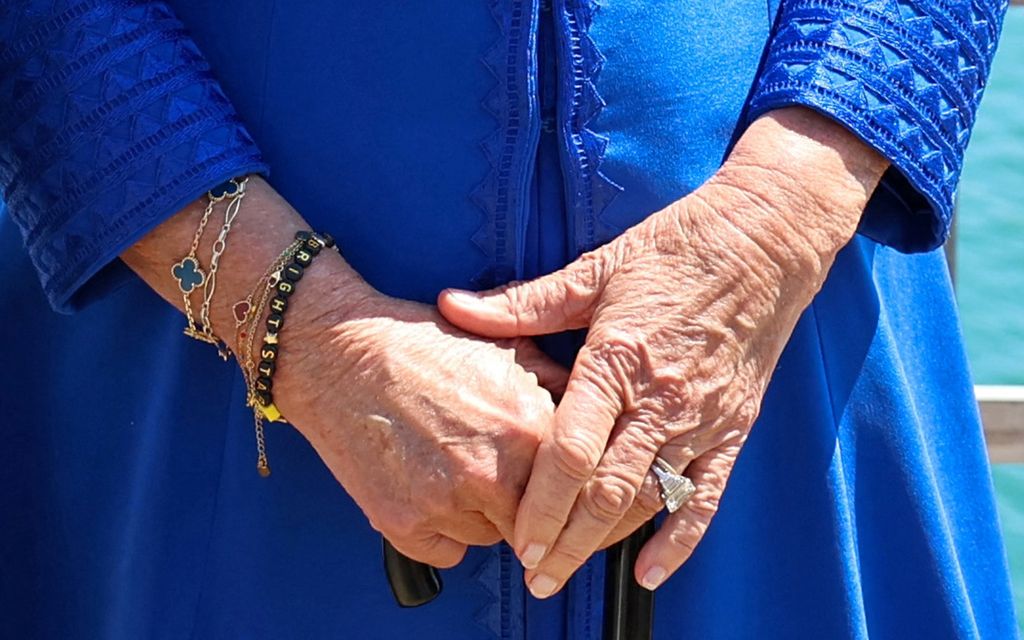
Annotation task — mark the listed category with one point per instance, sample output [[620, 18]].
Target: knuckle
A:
[[569, 557], [514, 294], [648, 500], [439, 554], [706, 506], [575, 455], [503, 498], [614, 345], [585, 274], [679, 451], [683, 541], [609, 498], [613, 360], [448, 560], [529, 414], [545, 514], [488, 539], [432, 502], [397, 526], [747, 413], [524, 297]]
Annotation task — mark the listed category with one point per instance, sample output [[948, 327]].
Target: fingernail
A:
[[542, 586], [533, 555], [653, 578], [465, 297]]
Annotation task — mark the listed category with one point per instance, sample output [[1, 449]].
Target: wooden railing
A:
[[1002, 412]]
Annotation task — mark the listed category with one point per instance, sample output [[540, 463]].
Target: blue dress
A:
[[466, 144]]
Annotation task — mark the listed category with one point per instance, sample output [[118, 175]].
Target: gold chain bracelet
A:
[[219, 246], [279, 281], [189, 272], [248, 315]]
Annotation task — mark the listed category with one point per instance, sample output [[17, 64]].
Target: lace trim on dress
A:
[[589, 190], [502, 196]]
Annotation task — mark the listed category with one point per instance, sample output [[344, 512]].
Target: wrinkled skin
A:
[[688, 313], [435, 432], [431, 431]]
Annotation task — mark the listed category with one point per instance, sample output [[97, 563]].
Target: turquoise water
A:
[[990, 261], [990, 248]]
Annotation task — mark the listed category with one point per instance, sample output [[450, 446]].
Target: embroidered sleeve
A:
[[110, 122], [904, 75]]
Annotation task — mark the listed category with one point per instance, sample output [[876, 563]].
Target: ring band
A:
[[676, 488]]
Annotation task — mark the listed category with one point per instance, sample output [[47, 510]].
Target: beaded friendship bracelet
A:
[[280, 280], [248, 313], [273, 290]]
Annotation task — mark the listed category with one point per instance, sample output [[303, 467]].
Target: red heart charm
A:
[[241, 310]]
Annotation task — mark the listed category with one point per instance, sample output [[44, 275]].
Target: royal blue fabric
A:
[[109, 121], [464, 145], [906, 76]]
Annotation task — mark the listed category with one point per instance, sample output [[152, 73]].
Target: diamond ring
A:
[[676, 488]]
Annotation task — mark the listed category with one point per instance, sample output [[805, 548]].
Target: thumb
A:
[[556, 302]]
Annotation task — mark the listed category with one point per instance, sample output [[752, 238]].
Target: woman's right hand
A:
[[432, 431]]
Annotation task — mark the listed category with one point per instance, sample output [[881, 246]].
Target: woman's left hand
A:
[[688, 313]]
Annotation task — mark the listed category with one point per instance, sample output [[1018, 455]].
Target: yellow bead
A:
[[271, 412]]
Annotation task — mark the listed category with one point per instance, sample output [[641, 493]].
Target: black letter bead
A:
[[274, 322], [303, 257], [293, 272], [313, 246], [278, 304], [302, 235], [269, 352], [264, 398], [285, 287], [264, 383], [267, 368], [328, 240], [323, 239]]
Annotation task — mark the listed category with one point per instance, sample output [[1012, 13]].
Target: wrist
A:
[[797, 184]]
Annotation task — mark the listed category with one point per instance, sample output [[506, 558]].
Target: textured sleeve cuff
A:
[[905, 76], [110, 122]]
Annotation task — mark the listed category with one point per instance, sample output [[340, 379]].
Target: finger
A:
[[434, 549], [556, 302], [606, 498], [679, 453], [565, 460], [550, 375], [678, 536]]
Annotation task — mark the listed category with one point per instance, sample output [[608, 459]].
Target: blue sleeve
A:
[[110, 122], [906, 76]]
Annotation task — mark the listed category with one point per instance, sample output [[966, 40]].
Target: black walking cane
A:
[[628, 607], [413, 583]]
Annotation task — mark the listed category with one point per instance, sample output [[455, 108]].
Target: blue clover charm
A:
[[188, 274], [227, 189]]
